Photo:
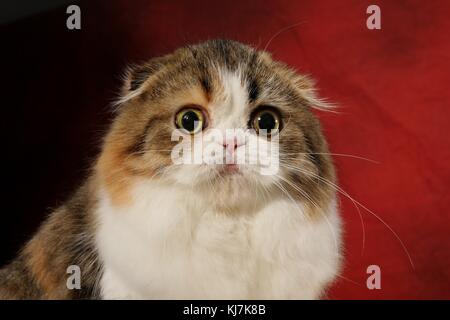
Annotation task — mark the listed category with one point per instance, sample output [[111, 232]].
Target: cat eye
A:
[[265, 119], [191, 120]]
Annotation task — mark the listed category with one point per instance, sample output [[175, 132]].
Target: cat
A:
[[144, 227]]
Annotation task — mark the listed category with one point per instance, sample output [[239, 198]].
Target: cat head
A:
[[220, 118]]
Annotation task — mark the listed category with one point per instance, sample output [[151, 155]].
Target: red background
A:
[[391, 85]]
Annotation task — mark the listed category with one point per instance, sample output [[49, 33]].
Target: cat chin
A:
[[242, 202], [236, 193], [226, 177]]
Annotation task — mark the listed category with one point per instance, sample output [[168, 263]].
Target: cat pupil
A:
[[189, 120], [266, 121]]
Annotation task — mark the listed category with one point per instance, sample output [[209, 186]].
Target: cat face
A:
[[220, 118]]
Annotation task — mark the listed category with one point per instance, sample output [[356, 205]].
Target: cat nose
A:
[[232, 144]]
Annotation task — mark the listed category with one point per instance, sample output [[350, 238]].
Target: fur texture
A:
[[144, 227]]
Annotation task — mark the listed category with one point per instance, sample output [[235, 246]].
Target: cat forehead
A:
[[217, 72], [221, 85], [237, 81], [231, 99], [233, 88], [212, 65]]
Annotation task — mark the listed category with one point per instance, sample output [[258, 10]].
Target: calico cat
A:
[[144, 227]]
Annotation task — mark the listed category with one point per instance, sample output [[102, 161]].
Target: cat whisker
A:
[[335, 154], [281, 31], [331, 184], [350, 280], [338, 189], [319, 209]]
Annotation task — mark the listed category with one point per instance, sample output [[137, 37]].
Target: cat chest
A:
[[165, 251]]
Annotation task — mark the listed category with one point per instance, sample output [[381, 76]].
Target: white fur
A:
[[164, 247]]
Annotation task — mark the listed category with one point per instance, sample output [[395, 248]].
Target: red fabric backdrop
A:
[[391, 85]]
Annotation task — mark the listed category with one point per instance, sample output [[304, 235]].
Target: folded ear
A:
[[303, 84], [307, 88], [137, 76]]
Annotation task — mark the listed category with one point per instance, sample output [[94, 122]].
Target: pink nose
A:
[[231, 145]]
